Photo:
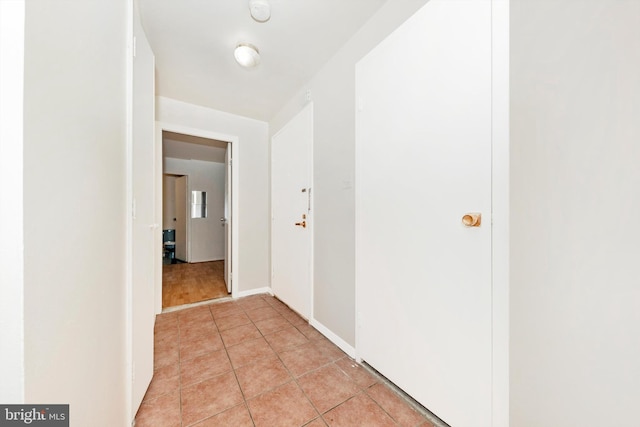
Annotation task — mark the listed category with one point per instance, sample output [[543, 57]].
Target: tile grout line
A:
[[295, 379], [429, 416], [361, 390], [235, 374]]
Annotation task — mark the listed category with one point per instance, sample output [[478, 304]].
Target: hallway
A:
[[254, 362]]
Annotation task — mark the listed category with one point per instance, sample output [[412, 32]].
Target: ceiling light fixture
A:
[[260, 10], [247, 55]]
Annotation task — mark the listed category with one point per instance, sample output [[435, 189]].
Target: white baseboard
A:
[[344, 346], [264, 290], [197, 261]]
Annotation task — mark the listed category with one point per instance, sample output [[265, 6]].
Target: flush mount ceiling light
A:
[[260, 10], [247, 55]]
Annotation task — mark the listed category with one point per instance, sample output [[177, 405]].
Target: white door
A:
[[144, 231], [423, 156], [227, 219], [181, 218], [291, 232]]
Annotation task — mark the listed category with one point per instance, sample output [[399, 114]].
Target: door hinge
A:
[[133, 209], [134, 45]]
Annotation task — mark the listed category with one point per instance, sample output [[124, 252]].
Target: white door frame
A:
[[500, 210], [187, 218], [228, 213], [12, 35], [235, 171], [500, 215]]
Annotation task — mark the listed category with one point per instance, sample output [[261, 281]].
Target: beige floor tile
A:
[[255, 362], [395, 406], [204, 367], [238, 416], [262, 313], [261, 376], [249, 351], [199, 346], [359, 411], [327, 387], [210, 397], [303, 359], [272, 324], [232, 320], [285, 406], [285, 339], [163, 411], [357, 373], [240, 334]]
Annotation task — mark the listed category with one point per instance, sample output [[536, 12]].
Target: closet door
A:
[[423, 161], [292, 222]]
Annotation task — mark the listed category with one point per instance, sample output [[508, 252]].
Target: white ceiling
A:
[[193, 42]]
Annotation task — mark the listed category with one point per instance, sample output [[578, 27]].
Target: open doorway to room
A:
[[196, 219]]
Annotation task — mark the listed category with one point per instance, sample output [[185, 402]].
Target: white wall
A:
[[74, 208], [206, 235], [253, 213], [575, 192], [11, 196], [333, 94]]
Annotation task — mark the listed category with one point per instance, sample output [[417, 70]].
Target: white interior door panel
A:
[[291, 152], [423, 279]]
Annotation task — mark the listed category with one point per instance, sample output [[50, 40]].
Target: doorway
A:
[[197, 195]]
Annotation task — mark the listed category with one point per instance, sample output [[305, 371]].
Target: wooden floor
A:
[[189, 283]]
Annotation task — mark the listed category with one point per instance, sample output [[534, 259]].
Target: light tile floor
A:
[[254, 362]]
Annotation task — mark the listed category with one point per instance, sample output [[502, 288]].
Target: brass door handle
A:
[[302, 224], [473, 219]]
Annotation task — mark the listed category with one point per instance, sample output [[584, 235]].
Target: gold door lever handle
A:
[[302, 224], [472, 219]]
